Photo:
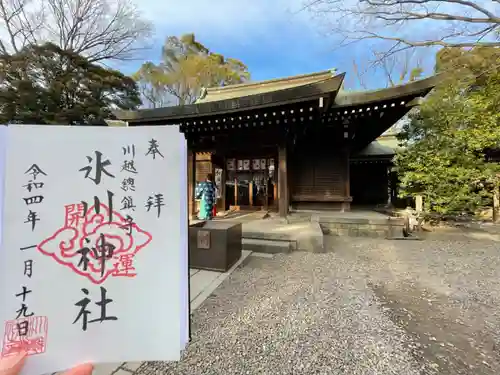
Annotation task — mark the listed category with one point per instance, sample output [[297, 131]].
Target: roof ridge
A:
[[332, 72]]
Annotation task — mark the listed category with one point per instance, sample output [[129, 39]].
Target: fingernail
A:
[[85, 369], [8, 363]]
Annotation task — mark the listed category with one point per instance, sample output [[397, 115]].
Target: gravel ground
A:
[[365, 307]]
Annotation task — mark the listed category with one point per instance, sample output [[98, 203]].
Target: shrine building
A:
[[295, 143]]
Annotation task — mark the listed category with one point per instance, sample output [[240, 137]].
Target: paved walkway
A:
[[203, 284]]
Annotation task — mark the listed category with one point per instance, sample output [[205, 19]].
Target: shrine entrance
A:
[[246, 135], [251, 183]]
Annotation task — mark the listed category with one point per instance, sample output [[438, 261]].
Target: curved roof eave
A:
[[250, 102], [346, 98]]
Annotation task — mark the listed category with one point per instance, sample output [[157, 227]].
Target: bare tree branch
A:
[[407, 24], [359, 75], [97, 29], [20, 24]]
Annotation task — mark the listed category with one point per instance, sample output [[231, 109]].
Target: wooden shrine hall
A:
[[299, 142]]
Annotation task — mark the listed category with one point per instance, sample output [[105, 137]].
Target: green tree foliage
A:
[[448, 139], [47, 85], [152, 85], [186, 68]]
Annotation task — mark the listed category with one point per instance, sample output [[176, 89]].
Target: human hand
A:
[[12, 365]]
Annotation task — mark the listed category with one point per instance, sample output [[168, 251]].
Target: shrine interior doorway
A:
[[251, 183]]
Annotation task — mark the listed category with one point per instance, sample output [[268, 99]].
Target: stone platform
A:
[[362, 223], [305, 230], [275, 236]]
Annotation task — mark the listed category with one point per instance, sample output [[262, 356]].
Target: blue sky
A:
[[271, 37]]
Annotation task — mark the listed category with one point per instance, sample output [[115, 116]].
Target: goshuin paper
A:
[[93, 262]]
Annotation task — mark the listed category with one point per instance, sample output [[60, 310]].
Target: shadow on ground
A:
[[367, 306]]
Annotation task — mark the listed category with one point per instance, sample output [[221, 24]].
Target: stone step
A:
[[267, 246], [411, 237], [293, 219]]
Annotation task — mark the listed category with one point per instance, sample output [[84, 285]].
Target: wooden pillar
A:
[[347, 182], [275, 194], [346, 205], [191, 168], [289, 176], [223, 186], [250, 193], [389, 186], [283, 182], [266, 193], [236, 192]]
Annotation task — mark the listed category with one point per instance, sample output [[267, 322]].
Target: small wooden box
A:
[[214, 245]]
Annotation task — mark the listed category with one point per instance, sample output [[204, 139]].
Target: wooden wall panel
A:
[[318, 177], [203, 165]]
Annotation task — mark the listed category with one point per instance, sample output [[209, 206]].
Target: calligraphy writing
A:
[[128, 203], [128, 183], [100, 168], [27, 247], [33, 200], [32, 218], [34, 171], [155, 201], [129, 166], [28, 268], [84, 313], [23, 311], [129, 225], [154, 149], [30, 185], [84, 260], [104, 251], [129, 150], [97, 206]]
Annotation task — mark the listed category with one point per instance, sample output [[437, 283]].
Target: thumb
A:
[[12, 365], [85, 369]]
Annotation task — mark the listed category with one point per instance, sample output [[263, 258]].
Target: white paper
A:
[[3, 143], [184, 228], [150, 308], [256, 164]]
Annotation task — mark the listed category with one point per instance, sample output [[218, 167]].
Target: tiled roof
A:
[[261, 87]]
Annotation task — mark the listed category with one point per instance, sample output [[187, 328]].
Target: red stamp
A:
[[25, 335], [96, 244]]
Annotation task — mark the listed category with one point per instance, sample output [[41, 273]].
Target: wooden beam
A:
[[223, 185], [250, 193], [346, 205], [236, 192], [347, 176], [191, 167], [283, 182]]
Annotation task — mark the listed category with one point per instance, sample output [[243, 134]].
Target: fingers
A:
[[85, 369], [12, 365]]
